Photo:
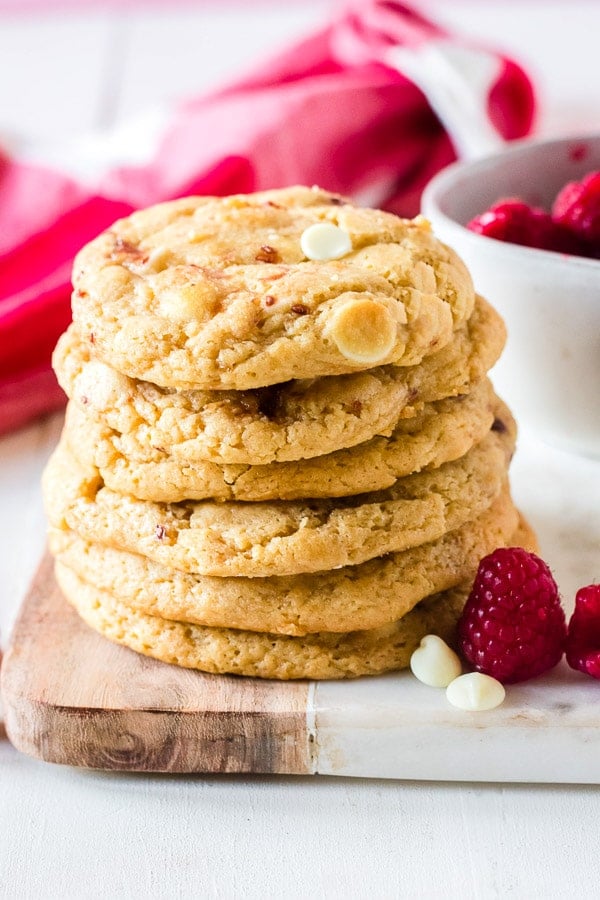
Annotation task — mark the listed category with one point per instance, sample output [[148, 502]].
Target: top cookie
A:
[[218, 293]]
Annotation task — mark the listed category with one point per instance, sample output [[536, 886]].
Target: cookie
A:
[[295, 420], [352, 598], [440, 432], [278, 537], [263, 655], [217, 293]]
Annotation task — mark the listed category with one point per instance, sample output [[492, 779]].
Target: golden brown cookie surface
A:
[[260, 655], [318, 656], [296, 420], [278, 537], [218, 293], [348, 599], [440, 432]]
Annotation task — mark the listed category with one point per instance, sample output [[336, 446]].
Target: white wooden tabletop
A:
[[68, 833]]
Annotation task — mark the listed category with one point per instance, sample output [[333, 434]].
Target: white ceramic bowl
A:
[[550, 370]]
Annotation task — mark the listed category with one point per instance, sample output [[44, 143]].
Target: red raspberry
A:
[[513, 626], [583, 639], [577, 207], [515, 222]]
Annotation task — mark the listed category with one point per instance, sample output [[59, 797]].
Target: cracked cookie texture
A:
[[349, 598], [279, 423], [279, 537], [324, 655], [217, 293], [438, 433]]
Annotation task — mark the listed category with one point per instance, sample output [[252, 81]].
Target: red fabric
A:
[[327, 111]]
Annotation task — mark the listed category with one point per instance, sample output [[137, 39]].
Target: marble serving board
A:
[[72, 697]]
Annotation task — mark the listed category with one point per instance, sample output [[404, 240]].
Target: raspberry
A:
[[513, 626], [583, 639], [516, 222], [577, 208]]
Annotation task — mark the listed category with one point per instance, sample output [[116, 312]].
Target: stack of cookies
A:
[[282, 455]]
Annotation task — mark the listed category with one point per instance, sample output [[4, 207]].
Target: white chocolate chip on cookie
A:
[[158, 260], [475, 692], [188, 301], [98, 387], [364, 331], [325, 241]]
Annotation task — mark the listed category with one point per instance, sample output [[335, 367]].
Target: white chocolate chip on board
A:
[[325, 241], [363, 330], [434, 663], [475, 692]]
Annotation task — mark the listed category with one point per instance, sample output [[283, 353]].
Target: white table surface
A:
[[68, 833]]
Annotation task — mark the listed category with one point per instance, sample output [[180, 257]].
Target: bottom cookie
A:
[[317, 656]]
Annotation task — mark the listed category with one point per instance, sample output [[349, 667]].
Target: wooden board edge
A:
[[228, 743], [183, 741]]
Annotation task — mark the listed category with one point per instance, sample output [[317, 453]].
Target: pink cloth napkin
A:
[[331, 110]]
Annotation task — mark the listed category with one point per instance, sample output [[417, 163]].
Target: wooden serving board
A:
[[70, 696]]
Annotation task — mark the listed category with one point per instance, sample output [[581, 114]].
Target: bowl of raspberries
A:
[[527, 223]]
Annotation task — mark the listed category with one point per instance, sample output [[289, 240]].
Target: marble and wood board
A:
[[72, 697]]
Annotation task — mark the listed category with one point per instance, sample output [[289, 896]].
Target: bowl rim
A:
[[444, 180]]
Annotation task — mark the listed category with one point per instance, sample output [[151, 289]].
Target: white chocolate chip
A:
[[364, 331], [325, 241], [434, 663], [158, 259], [193, 301], [475, 691], [100, 387]]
